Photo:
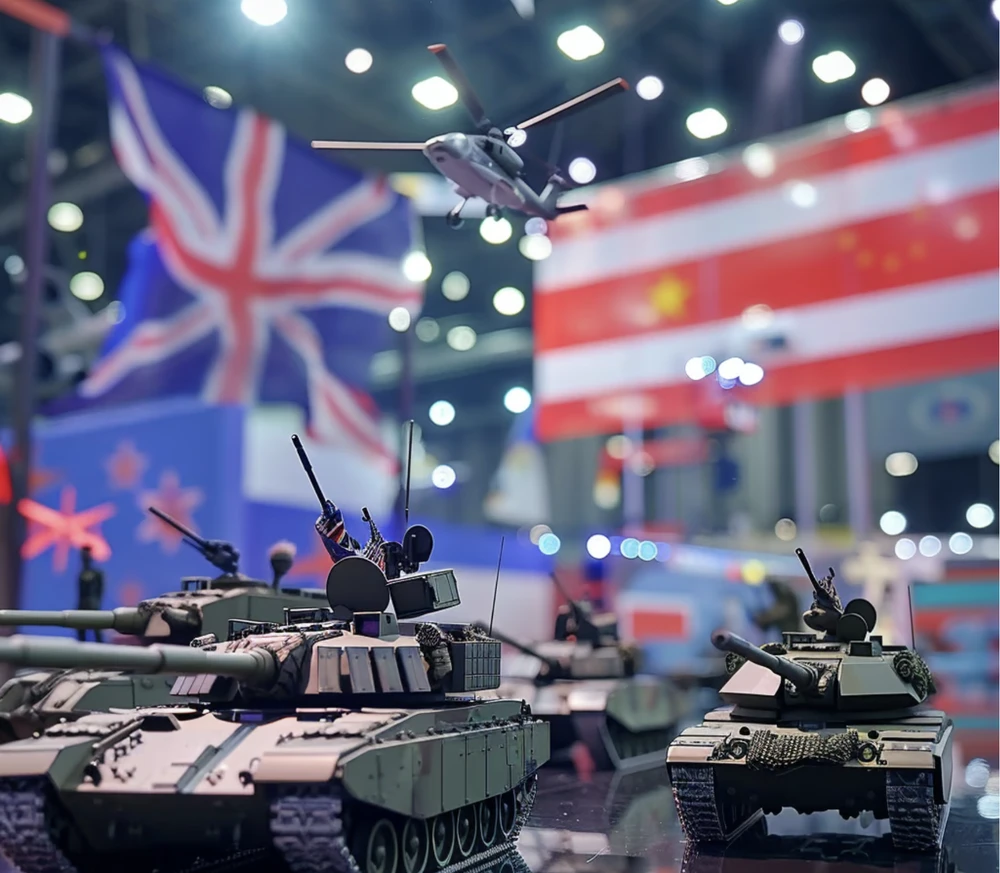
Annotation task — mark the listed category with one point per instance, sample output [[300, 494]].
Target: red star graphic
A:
[[38, 479], [126, 466], [316, 566], [64, 528], [129, 593], [176, 502]]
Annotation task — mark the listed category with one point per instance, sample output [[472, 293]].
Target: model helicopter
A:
[[485, 165]]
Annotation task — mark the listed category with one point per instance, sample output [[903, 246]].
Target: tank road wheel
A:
[[414, 845], [465, 830], [443, 838], [508, 814], [489, 815], [379, 848]]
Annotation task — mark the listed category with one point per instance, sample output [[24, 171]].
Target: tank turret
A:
[[802, 676], [577, 621]]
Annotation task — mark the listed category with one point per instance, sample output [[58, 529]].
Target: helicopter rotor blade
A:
[[584, 101], [368, 146], [463, 85]]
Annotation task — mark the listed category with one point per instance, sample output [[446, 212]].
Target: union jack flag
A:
[[266, 272]]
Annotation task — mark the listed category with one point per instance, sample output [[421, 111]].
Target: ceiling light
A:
[[929, 546], [875, 91], [416, 267], [960, 543], [901, 464], [751, 374], [790, 31], [993, 451], [495, 230], [629, 548], [427, 330], [647, 550], [580, 43], [582, 170], [434, 93], [833, 67], [549, 544], [707, 123], [517, 400], [858, 120], [892, 523], [508, 301], [802, 194], [535, 226], [441, 413], [461, 338], [443, 476], [66, 217], [598, 546], [995, 9], [86, 286], [618, 446], [264, 12], [785, 529], [14, 108], [905, 549], [649, 87], [979, 515], [358, 60], [731, 368], [695, 369], [537, 532], [455, 286], [759, 160], [728, 2], [399, 319], [13, 265], [217, 97], [535, 248]]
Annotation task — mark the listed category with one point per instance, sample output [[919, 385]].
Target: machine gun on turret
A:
[[217, 552], [578, 620]]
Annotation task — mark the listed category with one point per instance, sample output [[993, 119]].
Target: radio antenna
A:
[[409, 468], [909, 600], [496, 586]]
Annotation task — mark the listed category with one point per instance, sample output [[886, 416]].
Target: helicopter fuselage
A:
[[488, 168]]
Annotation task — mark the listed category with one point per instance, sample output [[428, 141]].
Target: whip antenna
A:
[[909, 600], [496, 585], [409, 468]]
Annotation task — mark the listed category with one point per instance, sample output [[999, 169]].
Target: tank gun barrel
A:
[[800, 675], [256, 665], [125, 619], [510, 641]]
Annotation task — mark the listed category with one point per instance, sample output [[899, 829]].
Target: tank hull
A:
[[624, 723], [325, 789], [730, 770]]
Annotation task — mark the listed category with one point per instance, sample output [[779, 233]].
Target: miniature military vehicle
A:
[[818, 722], [34, 699], [584, 684]]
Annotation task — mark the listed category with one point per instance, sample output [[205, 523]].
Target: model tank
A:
[[35, 699], [823, 721], [585, 684]]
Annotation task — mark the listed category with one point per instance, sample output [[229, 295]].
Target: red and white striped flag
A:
[[876, 251]]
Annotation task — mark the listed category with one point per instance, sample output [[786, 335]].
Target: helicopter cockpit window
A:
[[360, 668]]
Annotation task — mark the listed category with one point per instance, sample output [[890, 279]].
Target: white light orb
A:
[[358, 61], [629, 548], [65, 217], [875, 91], [115, 312], [892, 523], [905, 549], [13, 265], [399, 319], [858, 120], [977, 771], [217, 98], [607, 493], [707, 123], [802, 194], [929, 546], [455, 286], [517, 400], [759, 160], [727, 2], [495, 230], [535, 248], [995, 9], [901, 464], [86, 286], [508, 301], [264, 12], [427, 330], [582, 171], [580, 43], [618, 446], [979, 515], [647, 551], [790, 31], [515, 137], [994, 451], [598, 546], [694, 370], [443, 476], [416, 267], [535, 226], [833, 67], [649, 87], [441, 413], [751, 374], [549, 544], [988, 806], [434, 93], [14, 108], [960, 543], [731, 368], [785, 529], [461, 338], [537, 532]]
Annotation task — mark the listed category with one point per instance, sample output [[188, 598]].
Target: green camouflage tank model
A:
[[818, 722], [36, 699], [585, 684]]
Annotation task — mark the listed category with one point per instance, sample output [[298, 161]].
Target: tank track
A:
[[698, 809], [307, 828], [26, 832], [916, 821]]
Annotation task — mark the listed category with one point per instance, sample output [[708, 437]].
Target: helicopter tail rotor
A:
[[464, 87]]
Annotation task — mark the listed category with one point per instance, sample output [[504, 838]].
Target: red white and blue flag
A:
[[266, 272]]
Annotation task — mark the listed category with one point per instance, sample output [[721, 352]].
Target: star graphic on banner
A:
[[38, 479], [175, 501], [315, 566], [669, 296], [64, 528], [126, 466], [129, 593]]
